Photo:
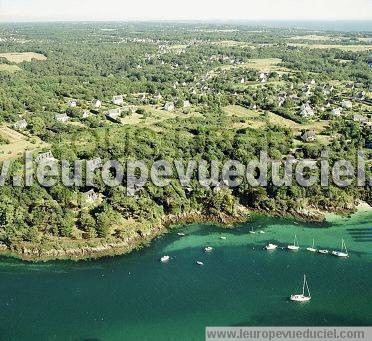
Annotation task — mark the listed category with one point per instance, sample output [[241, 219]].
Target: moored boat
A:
[[271, 247], [302, 297], [164, 259], [295, 246]]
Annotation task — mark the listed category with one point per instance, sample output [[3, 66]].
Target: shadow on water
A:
[[361, 234]]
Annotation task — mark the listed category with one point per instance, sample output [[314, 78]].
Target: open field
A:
[[9, 68], [15, 57], [314, 37], [156, 115], [18, 144], [351, 48], [255, 119]]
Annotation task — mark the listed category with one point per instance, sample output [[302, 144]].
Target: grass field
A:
[[18, 144], [15, 57], [255, 119], [9, 68], [352, 48], [265, 65]]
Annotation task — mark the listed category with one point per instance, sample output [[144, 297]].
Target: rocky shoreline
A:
[[106, 248]]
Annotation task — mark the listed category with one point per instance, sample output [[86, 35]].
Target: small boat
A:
[[343, 252], [181, 234], [312, 248], [223, 238], [271, 247], [199, 263], [262, 232], [323, 252], [208, 249], [295, 246], [302, 297], [164, 259], [252, 231]]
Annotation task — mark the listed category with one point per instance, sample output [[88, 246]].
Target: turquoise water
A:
[[135, 297]]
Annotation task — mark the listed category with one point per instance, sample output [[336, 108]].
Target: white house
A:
[[360, 118], [263, 77], [72, 103], [337, 112], [306, 110], [43, 157], [22, 124], [186, 104], [347, 104], [86, 113], [96, 104], [118, 100], [169, 106], [309, 136], [63, 118], [113, 114], [91, 197]]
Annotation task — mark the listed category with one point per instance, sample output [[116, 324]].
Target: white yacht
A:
[[343, 252], [312, 248], [323, 252], [271, 247], [164, 259], [181, 234], [208, 249], [302, 297], [223, 238], [199, 263], [295, 246], [252, 231]]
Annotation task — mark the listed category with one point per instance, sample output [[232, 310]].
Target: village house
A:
[[263, 77], [337, 112], [72, 103], [169, 106], [186, 104], [86, 113], [45, 157], [96, 104], [360, 118], [309, 136], [63, 118], [346, 104], [91, 197], [113, 114], [118, 100], [306, 110], [242, 81], [22, 124]]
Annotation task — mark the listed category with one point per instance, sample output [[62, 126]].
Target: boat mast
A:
[[303, 286], [344, 245]]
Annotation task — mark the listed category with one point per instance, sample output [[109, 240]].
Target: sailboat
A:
[[271, 247], [302, 297], [252, 231], [295, 246], [164, 259], [343, 252], [312, 248]]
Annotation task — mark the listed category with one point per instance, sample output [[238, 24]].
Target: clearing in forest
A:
[[18, 143], [351, 48], [19, 57], [9, 68]]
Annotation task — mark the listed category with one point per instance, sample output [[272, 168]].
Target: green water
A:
[[135, 297]]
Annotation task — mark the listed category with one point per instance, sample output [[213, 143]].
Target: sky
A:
[[92, 10]]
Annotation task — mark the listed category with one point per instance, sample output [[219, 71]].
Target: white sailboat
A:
[[208, 249], [295, 246], [199, 263], [343, 252], [223, 238], [164, 259], [271, 247], [252, 231], [181, 234], [312, 248], [324, 252], [302, 297]]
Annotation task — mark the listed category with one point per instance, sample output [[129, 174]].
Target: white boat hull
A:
[[340, 254], [165, 259], [311, 249], [300, 298], [323, 252], [293, 247], [271, 247]]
